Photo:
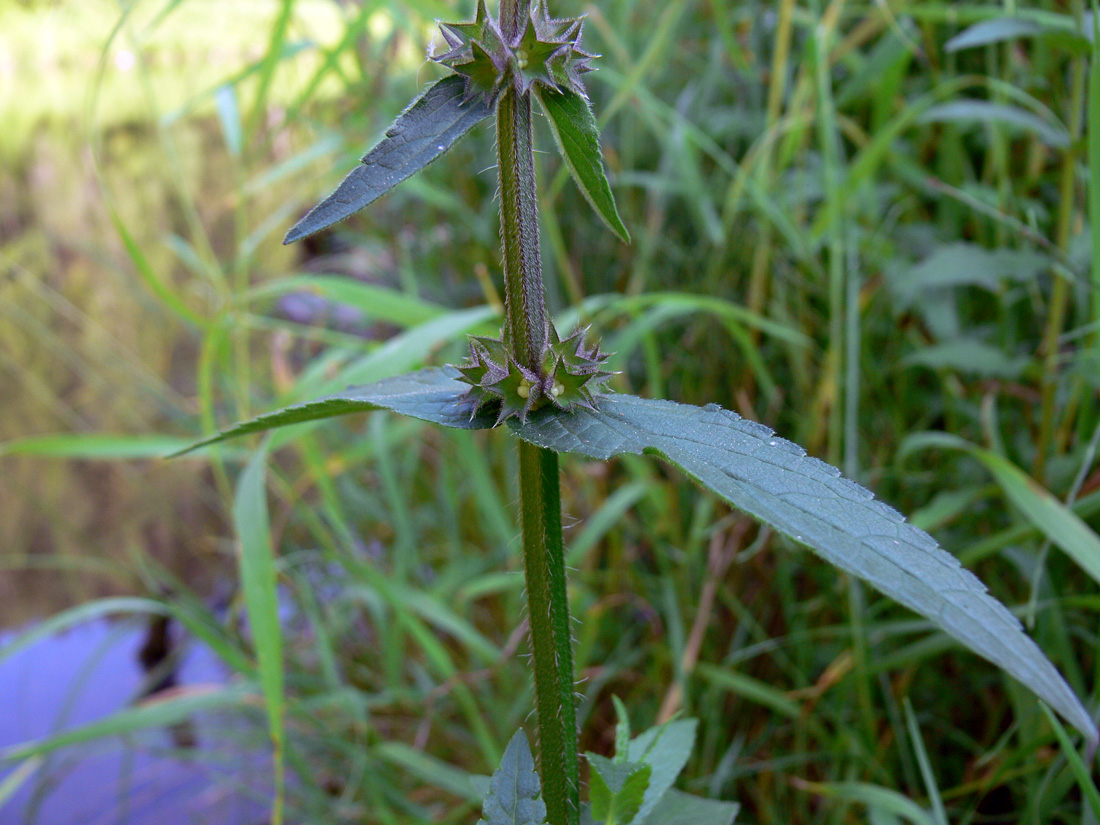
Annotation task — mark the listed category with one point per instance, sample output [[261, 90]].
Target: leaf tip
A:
[[295, 233]]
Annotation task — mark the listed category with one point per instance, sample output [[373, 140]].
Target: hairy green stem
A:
[[527, 332], [524, 303], [551, 635], [512, 14]]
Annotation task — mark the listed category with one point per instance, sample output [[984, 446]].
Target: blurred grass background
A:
[[846, 225]]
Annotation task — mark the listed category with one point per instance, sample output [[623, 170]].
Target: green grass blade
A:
[[877, 798], [258, 580], [158, 713], [78, 615], [374, 301], [1093, 150], [95, 446], [1056, 521], [939, 815], [270, 62], [1077, 765], [17, 778], [429, 769]]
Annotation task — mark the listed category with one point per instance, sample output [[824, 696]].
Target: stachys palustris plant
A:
[[551, 392]]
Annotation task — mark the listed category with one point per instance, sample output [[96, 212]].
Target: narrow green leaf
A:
[[514, 791], [616, 789], [622, 730], [964, 264], [939, 814], [984, 111], [599, 524], [751, 689], [1060, 30], [150, 274], [155, 713], [431, 395], [80, 614], [432, 770], [430, 126], [1092, 136], [993, 31], [1076, 764], [96, 446], [272, 56], [1055, 520], [17, 778], [677, 808], [578, 138], [373, 300], [877, 798], [259, 580], [968, 355]]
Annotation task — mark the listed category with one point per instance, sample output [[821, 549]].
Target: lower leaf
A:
[[766, 477], [808, 500]]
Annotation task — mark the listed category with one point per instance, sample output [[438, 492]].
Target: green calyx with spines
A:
[[547, 52], [572, 375]]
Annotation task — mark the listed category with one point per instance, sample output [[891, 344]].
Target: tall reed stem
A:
[[527, 332]]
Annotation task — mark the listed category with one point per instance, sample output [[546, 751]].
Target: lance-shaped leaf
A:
[[431, 125], [808, 500], [578, 138], [431, 395], [765, 476]]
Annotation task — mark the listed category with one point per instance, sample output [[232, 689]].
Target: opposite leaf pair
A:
[[548, 66], [757, 472]]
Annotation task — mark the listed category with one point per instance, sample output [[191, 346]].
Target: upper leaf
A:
[[514, 791], [430, 126], [578, 138]]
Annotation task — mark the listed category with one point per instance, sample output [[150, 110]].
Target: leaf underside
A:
[[430, 126], [578, 138], [764, 476], [430, 395]]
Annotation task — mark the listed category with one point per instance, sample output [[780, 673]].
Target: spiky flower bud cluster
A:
[[547, 51], [572, 375]]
